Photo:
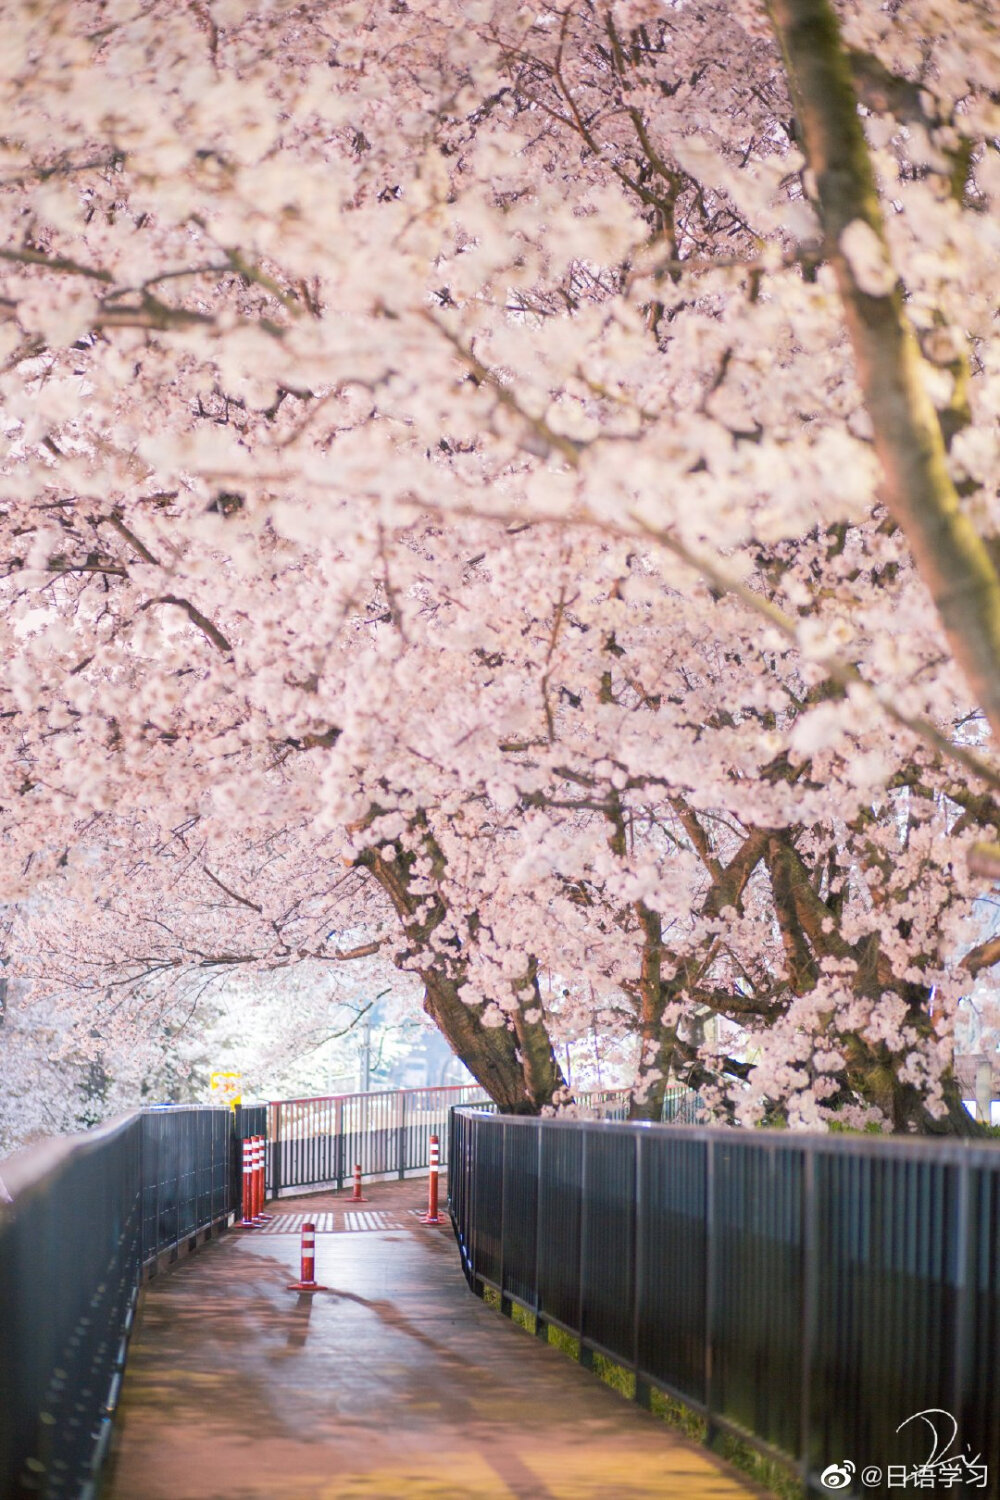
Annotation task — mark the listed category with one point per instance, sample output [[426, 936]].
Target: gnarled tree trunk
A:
[[514, 1063]]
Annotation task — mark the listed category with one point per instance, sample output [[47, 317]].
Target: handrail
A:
[[805, 1293], [438, 1088], [319, 1141], [29, 1167], [84, 1216]]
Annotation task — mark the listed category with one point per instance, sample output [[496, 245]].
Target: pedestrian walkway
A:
[[398, 1384]]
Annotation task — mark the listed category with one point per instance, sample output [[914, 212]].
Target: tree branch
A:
[[194, 614], [949, 553]]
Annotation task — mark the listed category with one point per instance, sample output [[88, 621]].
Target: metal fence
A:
[[681, 1105], [81, 1217], [809, 1294], [318, 1142]]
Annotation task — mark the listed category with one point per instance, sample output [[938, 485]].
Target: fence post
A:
[[586, 1355], [711, 1270], [155, 1120], [960, 1348], [541, 1327], [810, 1290], [504, 1304], [473, 1148], [143, 1179], [276, 1183], [338, 1128], [401, 1136], [453, 1199], [642, 1387]]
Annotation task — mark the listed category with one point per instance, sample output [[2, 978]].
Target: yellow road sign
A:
[[226, 1087]]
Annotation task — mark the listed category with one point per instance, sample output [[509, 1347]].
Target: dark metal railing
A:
[[80, 1218], [318, 1142], [680, 1106], [683, 1106], [807, 1294]]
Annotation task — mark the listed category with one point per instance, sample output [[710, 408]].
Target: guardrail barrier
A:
[[81, 1218], [319, 1142], [834, 1301]]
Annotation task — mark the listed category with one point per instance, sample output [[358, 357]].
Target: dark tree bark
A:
[[951, 557], [515, 1063]]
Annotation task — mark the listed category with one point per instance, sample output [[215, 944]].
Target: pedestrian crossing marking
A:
[[369, 1221]]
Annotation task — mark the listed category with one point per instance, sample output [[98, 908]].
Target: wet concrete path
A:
[[397, 1383]]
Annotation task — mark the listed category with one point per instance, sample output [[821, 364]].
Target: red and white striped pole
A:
[[432, 1216], [247, 1220], [260, 1217], [357, 1196], [254, 1181], [254, 1206], [307, 1281]]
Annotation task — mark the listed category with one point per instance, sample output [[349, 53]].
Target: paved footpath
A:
[[397, 1384]]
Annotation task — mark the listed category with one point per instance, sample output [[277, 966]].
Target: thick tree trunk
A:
[[662, 1051], [872, 1072], [657, 1041], [543, 1077], [950, 555], [872, 1075], [489, 1052], [514, 1063]]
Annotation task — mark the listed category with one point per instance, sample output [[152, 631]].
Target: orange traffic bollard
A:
[[260, 1217], [357, 1196], [307, 1281], [254, 1181], [247, 1221], [432, 1216]]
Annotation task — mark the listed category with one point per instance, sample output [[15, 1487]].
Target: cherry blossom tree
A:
[[536, 470]]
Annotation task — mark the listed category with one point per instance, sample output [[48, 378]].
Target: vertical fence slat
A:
[[711, 1283], [810, 1292]]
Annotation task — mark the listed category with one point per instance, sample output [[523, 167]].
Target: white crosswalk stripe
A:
[[368, 1221]]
